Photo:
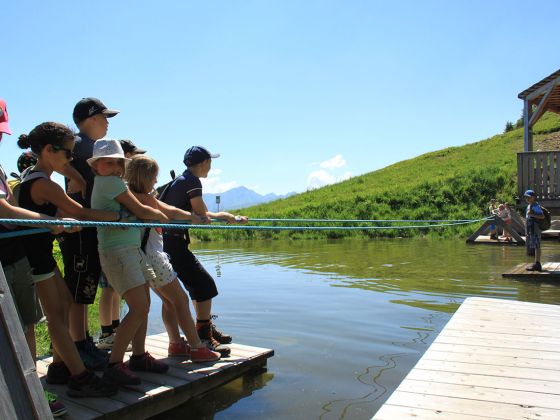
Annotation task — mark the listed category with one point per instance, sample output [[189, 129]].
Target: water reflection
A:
[[347, 320]]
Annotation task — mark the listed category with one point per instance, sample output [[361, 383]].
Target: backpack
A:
[[544, 224]]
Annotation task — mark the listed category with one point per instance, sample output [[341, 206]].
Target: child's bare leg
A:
[[138, 308], [116, 307], [55, 300], [31, 342], [169, 318], [175, 297], [106, 306]]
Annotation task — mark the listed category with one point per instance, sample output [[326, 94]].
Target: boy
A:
[[532, 230], [185, 192], [82, 268]]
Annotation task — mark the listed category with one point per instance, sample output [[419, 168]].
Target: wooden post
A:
[[528, 132], [21, 393]]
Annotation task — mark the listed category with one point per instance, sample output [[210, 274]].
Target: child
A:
[[492, 211], [505, 215], [82, 269], [123, 263], [53, 144], [15, 265], [185, 192], [109, 301], [533, 239], [141, 176]]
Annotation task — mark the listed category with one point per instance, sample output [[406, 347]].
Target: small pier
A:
[[161, 392], [550, 271], [494, 359]]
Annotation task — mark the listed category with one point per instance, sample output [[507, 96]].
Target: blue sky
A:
[[293, 94]]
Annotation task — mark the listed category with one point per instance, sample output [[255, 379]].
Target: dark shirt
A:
[[11, 249], [83, 150], [181, 191]]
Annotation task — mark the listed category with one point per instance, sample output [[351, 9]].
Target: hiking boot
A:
[[147, 363], [180, 349], [119, 374], [90, 386], [57, 408], [57, 374], [204, 354], [535, 267], [218, 335], [205, 334], [106, 342]]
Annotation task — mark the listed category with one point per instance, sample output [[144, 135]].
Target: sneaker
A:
[[205, 334], [57, 408], [57, 374], [146, 363], [119, 374], [180, 349], [535, 267], [204, 354], [218, 335], [91, 347], [90, 386], [106, 342]]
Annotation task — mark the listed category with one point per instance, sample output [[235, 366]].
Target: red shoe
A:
[[180, 349], [204, 354]]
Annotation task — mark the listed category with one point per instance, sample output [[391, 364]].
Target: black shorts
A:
[[39, 250], [81, 264], [198, 282]]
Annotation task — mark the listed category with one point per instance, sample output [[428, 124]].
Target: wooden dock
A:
[[158, 393], [551, 271], [485, 239], [495, 358]]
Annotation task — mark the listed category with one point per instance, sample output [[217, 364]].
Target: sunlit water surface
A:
[[347, 319]]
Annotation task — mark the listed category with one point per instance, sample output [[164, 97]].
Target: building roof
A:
[[535, 93]]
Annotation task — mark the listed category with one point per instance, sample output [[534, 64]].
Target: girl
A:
[[53, 144], [141, 176], [123, 263]]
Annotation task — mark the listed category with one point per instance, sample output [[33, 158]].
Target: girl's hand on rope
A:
[[242, 220]]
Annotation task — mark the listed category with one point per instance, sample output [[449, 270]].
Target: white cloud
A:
[[335, 162], [318, 179], [347, 175], [212, 184]]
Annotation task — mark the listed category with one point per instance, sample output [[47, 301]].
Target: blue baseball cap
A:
[[530, 193], [197, 154]]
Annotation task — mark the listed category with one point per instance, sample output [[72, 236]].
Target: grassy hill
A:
[[453, 183]]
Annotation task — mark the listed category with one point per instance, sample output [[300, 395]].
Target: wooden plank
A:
[[161, 392], [22, 395], [392, 412], [496, 358]]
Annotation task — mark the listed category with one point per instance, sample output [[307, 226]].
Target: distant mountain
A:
[[238, 198]]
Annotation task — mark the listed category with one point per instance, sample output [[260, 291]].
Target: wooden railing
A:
[[540, 171]]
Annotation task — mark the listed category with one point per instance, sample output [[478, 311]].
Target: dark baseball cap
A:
[[88, 107], [197, 154], [128, 146]]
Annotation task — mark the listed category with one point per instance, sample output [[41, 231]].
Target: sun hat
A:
[[128, 146], [197, 154], [88, 107], [530, 193], [4, 127], [106, 149]]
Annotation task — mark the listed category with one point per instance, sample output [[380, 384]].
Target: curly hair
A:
[[43, 134]]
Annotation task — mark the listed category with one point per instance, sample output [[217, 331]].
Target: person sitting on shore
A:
[[532, 230]]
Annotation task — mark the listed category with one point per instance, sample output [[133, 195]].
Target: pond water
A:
[[347, 319]]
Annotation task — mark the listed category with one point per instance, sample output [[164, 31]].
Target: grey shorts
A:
[[126, 268], [20, 281]]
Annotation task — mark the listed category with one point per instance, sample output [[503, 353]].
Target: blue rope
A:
[[359, 220], [181, 225]]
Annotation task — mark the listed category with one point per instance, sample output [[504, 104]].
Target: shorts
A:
[[39, 250], [193, 275], [163, 270], [81, 264], [18, 277], [126, 268]]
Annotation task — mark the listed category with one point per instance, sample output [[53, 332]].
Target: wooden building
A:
[[539, 170]]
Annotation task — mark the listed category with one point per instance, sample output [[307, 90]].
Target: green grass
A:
[[452, 183]]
